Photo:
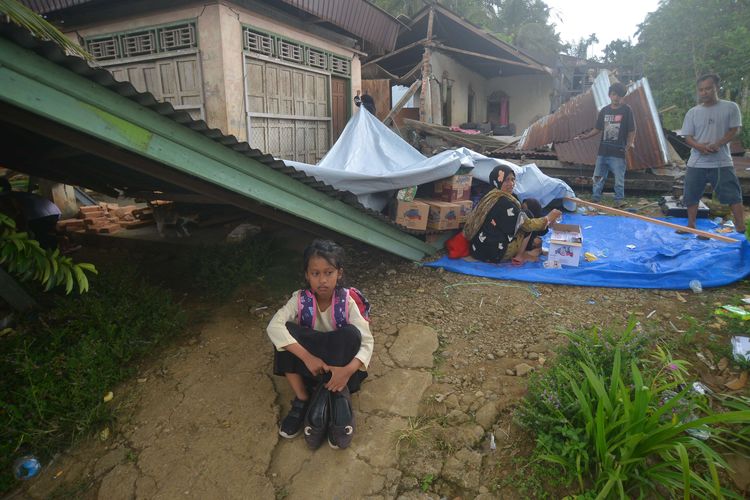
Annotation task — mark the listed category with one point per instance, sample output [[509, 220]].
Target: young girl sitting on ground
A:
[[323, 345], [533, 210]]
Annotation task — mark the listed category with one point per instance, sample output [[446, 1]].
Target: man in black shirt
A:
[[618, 126]]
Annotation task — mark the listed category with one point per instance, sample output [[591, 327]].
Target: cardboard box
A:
[[464, 209], [454, 188], [411, 214], [565, 244], [443, 215]]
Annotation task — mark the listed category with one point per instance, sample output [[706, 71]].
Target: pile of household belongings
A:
[[373, 162]]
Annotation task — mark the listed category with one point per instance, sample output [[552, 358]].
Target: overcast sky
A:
[[609, 19]]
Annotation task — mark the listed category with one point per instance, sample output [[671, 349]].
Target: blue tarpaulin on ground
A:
[[660, 257]]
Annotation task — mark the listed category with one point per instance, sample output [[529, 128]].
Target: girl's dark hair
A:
[[326, 249], [533, 206]]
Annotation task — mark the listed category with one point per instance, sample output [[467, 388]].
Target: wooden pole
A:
[[400, 104], [616, 211]]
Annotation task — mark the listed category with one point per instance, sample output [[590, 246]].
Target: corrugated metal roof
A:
[[575, 116], [581, 152], [355, 16], [53, 53], [44, 6], [358, 17], [579, 115], [656, 154]]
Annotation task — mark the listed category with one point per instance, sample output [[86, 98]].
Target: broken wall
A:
[[464, 79], [529, 96]]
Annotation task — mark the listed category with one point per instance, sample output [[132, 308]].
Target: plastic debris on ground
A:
[[25, 468], [592, 301], [590, 257], [695, 286], [741, 348], [535, 291], [683, 412], [734, 312]]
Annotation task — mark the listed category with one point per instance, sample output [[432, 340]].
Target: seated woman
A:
[[498, 229]]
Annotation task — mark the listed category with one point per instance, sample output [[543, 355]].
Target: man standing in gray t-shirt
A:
[[708, 128]]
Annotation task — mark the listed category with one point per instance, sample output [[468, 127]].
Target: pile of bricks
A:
[[106, 218]]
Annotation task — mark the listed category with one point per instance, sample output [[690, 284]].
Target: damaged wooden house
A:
[[280, 74], [461, 75]]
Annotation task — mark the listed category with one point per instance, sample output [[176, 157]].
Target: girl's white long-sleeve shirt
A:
[[280, 336]]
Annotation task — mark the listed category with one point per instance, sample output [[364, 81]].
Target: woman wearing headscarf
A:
[[498, 229]]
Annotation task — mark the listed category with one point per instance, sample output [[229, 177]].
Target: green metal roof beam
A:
[[38, 85]]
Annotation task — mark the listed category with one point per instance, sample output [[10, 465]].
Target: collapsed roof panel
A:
[[448, 32], [53, 96], [579, 115]]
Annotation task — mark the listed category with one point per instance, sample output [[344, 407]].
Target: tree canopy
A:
[[684, 39]]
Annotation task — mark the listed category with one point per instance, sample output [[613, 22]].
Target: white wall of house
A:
[[529, 97], [219, 29], [464, 79]]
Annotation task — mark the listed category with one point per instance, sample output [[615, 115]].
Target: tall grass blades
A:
[[54, 369], [622, 427]]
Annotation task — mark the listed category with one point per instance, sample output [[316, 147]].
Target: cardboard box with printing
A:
[[443, 215], [455, 188], [565, 244], [411, 214], [464, 209]]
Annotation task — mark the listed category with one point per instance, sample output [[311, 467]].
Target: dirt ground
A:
[[200, 418]]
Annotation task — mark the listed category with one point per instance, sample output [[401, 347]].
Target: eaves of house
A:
[[359, 18], [68, 122]]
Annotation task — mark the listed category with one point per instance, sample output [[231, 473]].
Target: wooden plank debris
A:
[[624, 213], [476, 142]]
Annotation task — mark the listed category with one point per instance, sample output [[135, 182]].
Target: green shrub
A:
[[625, 428], [56, 367]]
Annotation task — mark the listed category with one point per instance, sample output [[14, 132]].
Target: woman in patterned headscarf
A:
[[498, 229]]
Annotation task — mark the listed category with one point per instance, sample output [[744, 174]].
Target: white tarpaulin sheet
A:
[[372, 161]]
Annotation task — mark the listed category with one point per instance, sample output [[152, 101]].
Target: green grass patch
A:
[[623, 422], [57, 365]]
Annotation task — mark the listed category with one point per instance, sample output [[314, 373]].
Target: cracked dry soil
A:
[[200, 418]]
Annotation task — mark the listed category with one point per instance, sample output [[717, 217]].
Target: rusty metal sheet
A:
[[579, 115], [581, 152], [355, 16], [572, 118], [650, 142]]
